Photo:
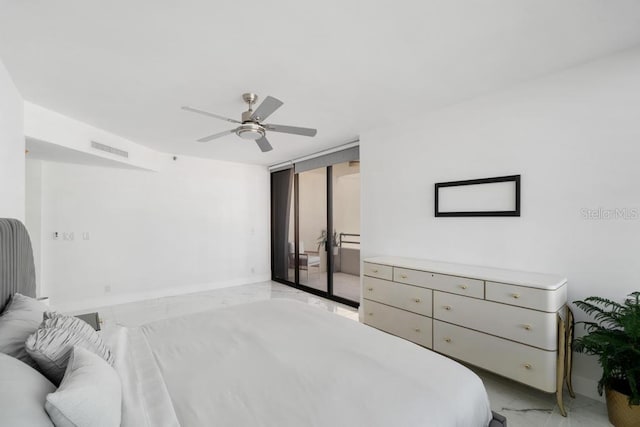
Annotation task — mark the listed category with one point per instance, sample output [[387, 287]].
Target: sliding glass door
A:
[[346, 223], [282, 225], [312, 228], [315, 210]]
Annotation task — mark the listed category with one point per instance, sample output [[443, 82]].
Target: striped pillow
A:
[[52, 344]]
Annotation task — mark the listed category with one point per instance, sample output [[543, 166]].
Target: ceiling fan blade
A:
[[216, 135], [264, 145], [268, 106], [292, 129], [206, 113]]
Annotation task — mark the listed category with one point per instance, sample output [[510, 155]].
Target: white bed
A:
[[284, 363], [274, 363]]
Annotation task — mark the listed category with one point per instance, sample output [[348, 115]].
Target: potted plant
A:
[[322, 241], [614, 337]]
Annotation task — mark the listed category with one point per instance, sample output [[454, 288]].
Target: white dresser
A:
[[504, 321]]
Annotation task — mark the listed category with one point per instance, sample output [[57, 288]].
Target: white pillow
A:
[[22, 394], [21, 317], [51, 345], [90, 393]]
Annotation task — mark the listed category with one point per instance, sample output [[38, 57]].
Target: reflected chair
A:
[[308, 259]]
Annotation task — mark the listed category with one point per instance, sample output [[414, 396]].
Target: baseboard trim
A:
[[74, 305], [586, 387]]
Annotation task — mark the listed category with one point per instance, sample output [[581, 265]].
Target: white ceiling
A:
[[342, 66]]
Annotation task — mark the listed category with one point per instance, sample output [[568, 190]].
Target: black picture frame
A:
[[509, 178]]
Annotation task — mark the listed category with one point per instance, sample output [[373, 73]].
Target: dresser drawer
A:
[[410, 326], [537, 299], [441, 282], [407, 297], [531, 327], [378, 270], [528, 365]]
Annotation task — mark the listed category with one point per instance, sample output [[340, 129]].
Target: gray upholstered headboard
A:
[[17, 271]]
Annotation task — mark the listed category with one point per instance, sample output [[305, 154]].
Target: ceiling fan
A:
[[251, 126]]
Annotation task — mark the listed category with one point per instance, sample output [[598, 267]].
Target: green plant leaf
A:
[[614, 337]]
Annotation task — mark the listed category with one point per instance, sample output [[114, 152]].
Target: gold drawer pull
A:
[[417, 299], [371, 289], [527, 366], [447, 307], [447, 339], [417, 329], [516, 296], [463, 287], [403, 276], [375, 270], [527, 327]]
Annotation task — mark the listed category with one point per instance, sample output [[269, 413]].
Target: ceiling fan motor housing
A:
[[246, 116], [250, 128]]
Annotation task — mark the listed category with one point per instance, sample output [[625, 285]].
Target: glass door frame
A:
[[328, 294]]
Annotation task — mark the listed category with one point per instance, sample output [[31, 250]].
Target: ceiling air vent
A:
[[108, 149]]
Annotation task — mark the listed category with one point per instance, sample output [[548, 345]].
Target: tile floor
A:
[[138, 313], [521, 405], [344, 285]]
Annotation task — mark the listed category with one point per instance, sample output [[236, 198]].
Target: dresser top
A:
[[522, 278]]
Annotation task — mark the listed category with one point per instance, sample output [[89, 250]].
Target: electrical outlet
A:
[[86, 235], [68, 236], [56, 235]]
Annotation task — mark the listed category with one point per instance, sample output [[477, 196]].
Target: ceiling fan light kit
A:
[[251, 127], [250, 131]]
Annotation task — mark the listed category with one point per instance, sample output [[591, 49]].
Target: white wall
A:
[[575, 139], [11, 149], [196, 224], [33, 214]]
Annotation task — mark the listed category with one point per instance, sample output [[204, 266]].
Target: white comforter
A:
[[283, 363]]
